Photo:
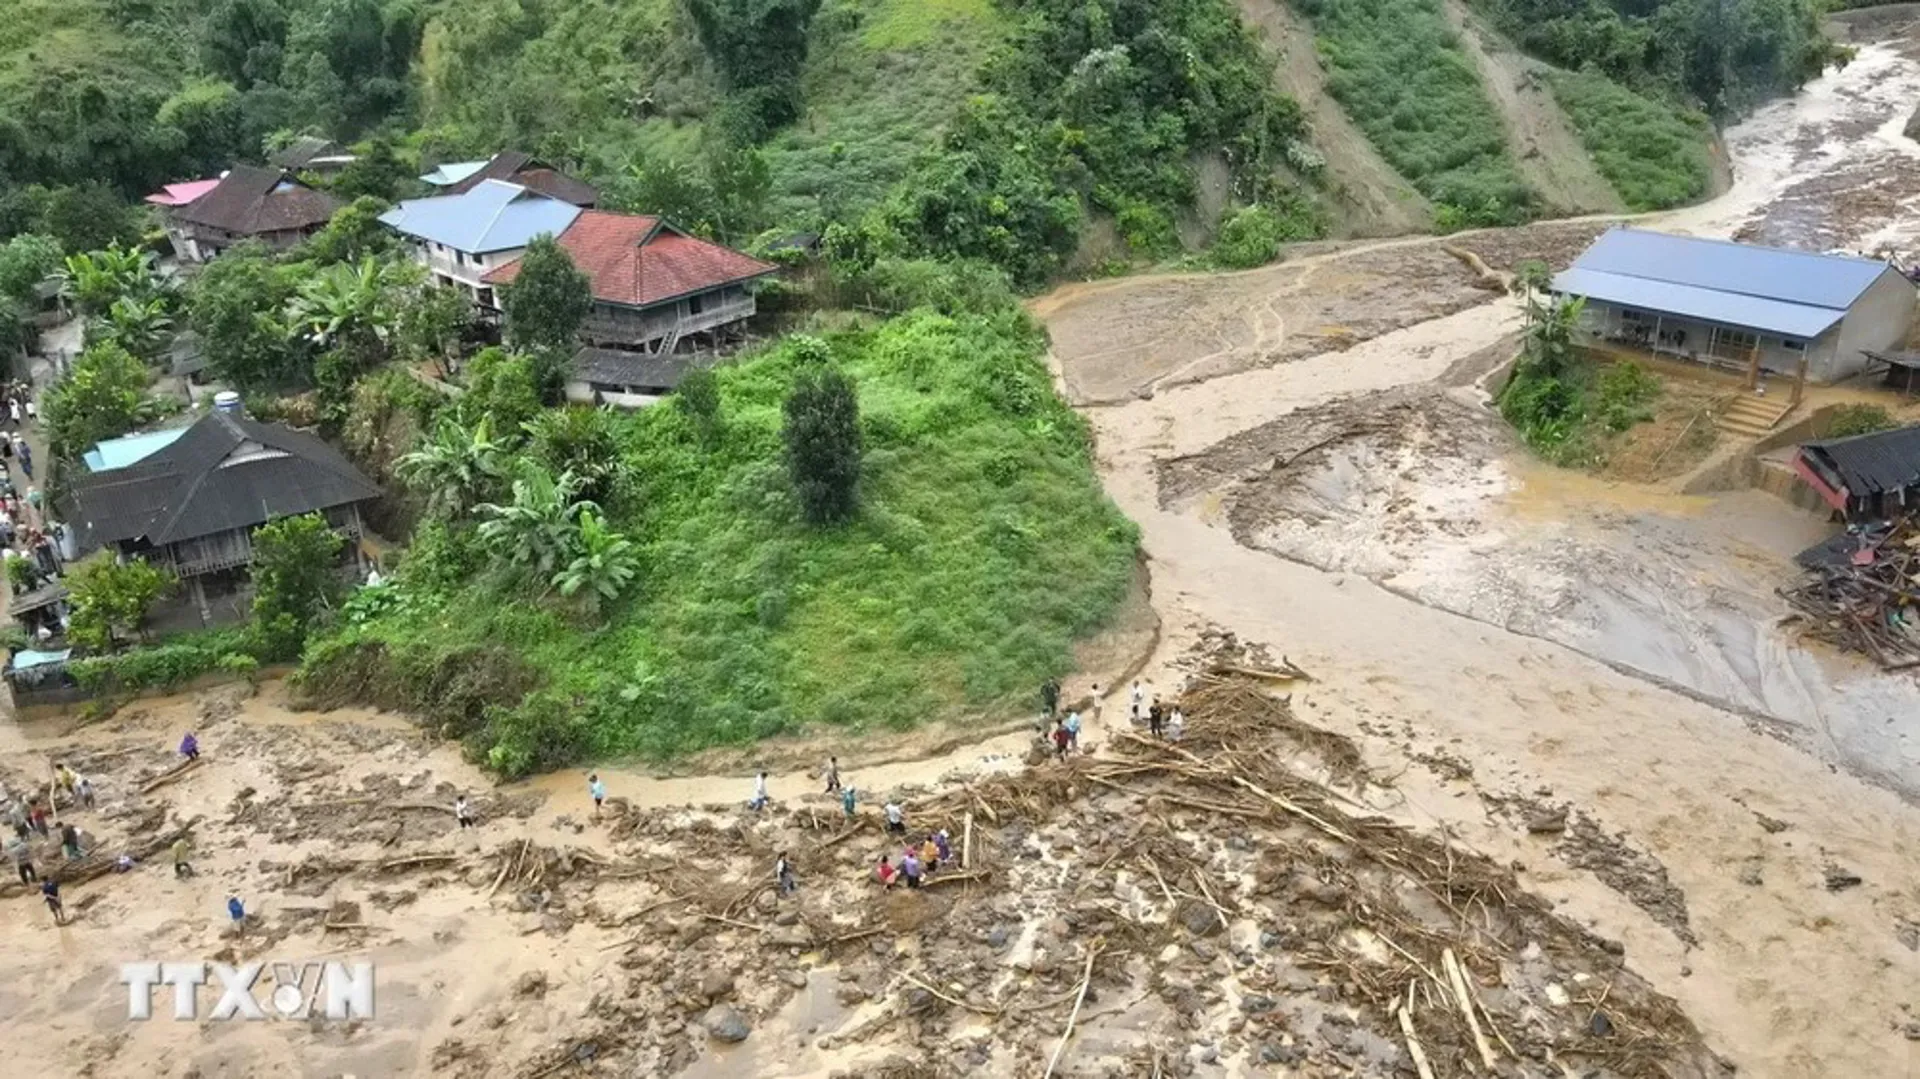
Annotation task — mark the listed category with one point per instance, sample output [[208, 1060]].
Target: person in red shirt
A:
[[885, 872], [1060, 739]]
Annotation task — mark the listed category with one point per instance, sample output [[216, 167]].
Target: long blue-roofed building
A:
[[1739, 306]]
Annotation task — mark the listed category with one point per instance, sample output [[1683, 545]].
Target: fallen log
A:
[[954, 878], [169, 775], [1086, 979]]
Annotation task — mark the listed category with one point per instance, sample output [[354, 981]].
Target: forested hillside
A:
[[994, 129]]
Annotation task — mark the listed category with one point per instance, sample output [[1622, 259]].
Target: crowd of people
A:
[[38, 836], [39, 547]]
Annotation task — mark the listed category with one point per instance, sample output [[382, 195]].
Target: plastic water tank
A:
[[226, 401]]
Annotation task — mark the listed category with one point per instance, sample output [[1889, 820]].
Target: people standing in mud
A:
[[17, 816], [1156, 719], [1072, 725], [910, 868], [896, 818], [760, 798], [943, 846], [237, 912], [1050, 696], [1136, 702], [50, 891], [930, 853], [597, 790], [70, 842], [84, 790], [884, 872], [181, 851], [190, 747], [847, 802], [833, 775], [22, 857], [1060, 739], [463, 812], [783, 874], [37, 818]]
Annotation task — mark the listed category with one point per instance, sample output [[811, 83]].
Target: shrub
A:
[[1858, 419], [1625, 393], [294, 580], [1253, 234], [110, 597], [822, 435]]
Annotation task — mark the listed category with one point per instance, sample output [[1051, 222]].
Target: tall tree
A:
[[546, 304], [104, 396], [294, 580], [822, 436], [25, 261], [234, 304], [243, 41]]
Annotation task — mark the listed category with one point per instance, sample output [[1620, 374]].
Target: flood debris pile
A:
[[1152, 910], [1861, 593]]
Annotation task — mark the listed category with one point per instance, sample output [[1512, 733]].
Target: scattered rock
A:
[[1201, 920], [1256, 1005], [1207, 1054], [1270, 939], [716, 985], [795, 978], [1908, 934], [1839, 879], [1600, 1025], [1912, 1031], [1770, 824], [1553, 820], [997, 937], [787, 917], [1060, 928], [725, 1024], [1750, 874], [531, 984]]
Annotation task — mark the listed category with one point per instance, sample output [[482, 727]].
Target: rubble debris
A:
[[1861, 593], [1839, 880]]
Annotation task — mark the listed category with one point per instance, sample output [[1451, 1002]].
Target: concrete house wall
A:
[[1878, 320]]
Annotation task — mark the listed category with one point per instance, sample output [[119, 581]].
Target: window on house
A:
[[1792, 345], [459, 258], [485, 296], [695, 304]]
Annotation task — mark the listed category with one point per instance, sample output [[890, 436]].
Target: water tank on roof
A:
[[226, 401]]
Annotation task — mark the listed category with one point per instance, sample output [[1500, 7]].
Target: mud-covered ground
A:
[[1240, 901]]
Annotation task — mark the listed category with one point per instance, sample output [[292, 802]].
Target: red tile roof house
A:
[[653, 287], [248, 203]]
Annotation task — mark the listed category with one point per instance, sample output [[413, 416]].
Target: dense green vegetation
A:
[[1564, 404], [1858, 419], [981, 547], [1653, 153], [1397, 68], [1725, 55]]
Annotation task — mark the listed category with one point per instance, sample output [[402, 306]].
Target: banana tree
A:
[[604, 565], [538, 531], [456, 468]]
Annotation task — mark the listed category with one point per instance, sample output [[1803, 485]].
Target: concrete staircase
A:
[[1752, 416]]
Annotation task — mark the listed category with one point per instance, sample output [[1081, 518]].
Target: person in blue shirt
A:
[[598, 790], [237, 911], [1073, 730], [846, 801]]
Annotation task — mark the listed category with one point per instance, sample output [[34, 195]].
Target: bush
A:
[[1624, 395], [168, 664], [1253, 235], [1849, 420]]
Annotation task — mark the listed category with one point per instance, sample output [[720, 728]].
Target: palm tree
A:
[[347, 307], [605, 563], [538, 532], [93, 280], [456, 468]]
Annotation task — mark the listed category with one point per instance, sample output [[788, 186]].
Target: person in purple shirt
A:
[[910, 868]]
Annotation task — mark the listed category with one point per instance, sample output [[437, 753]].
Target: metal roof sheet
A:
[[1872, 463], [121, 452], [493, 216], [453, 172], [1772, 273], [1705, 304]]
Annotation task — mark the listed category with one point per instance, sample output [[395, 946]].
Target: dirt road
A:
[[1273, 494]]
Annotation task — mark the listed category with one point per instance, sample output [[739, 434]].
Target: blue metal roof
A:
[[1771, 273], [453, 172], [1687, 301], [493, 216], [121, 452]]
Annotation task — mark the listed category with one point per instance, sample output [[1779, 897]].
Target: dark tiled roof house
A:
[[515, 167], [192, 506], [249, 204]]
